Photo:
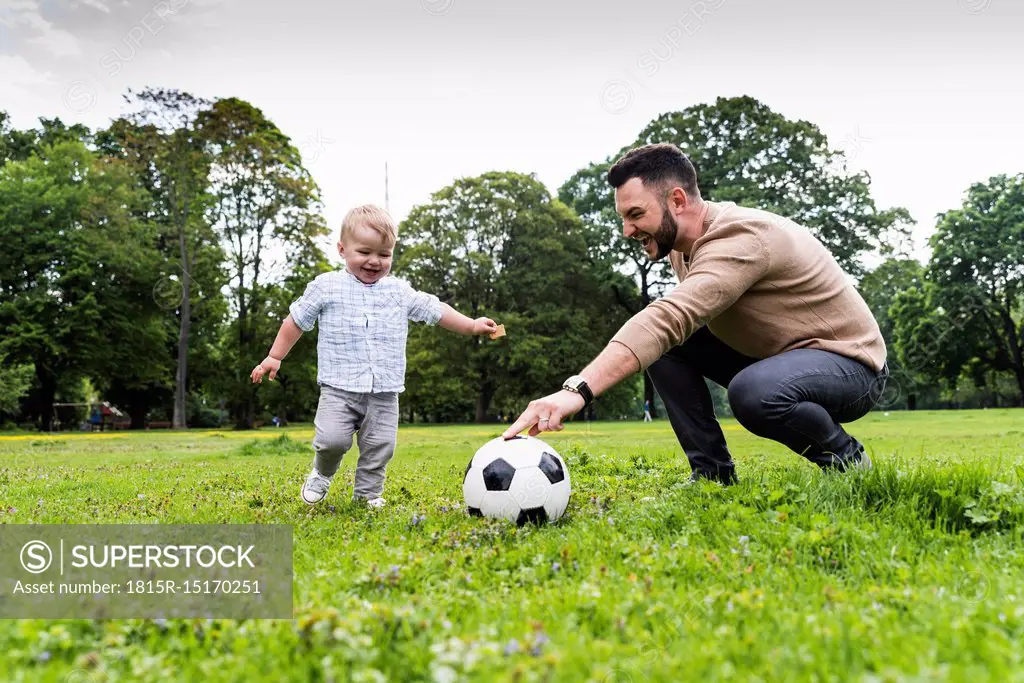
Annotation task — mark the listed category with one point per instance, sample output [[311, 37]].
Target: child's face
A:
[[366, 254]]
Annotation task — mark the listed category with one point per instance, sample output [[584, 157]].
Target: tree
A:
[[19, 145], [162, 141], [265, 204], [15, 145], [880, 287], [15, 381], [970, 310], [77, 288], [745, 153], [498, 245]]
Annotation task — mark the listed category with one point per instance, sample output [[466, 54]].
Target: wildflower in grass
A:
[[538, 644]]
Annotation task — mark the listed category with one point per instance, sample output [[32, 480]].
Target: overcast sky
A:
[[923, 94]]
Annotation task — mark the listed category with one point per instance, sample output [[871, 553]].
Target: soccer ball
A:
[[522, 480]]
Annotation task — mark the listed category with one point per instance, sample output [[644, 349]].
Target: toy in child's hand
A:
[[498, 333]]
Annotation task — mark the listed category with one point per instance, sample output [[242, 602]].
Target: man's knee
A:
[[748, 397]]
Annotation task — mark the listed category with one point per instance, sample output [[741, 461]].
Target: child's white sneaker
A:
[[377, 502], [315, 488]]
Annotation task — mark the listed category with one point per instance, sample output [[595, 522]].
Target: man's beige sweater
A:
[[763, 285]]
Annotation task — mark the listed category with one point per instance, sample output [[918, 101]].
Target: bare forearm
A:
[[454, 321], [611, 366], [614, 364], [286, 338]]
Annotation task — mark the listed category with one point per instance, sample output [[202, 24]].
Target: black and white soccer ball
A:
[[522, 480]]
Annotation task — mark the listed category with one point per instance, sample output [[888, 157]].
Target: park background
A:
[[164, 195], [150, 263]]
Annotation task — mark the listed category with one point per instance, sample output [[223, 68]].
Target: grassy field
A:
[[910, 571]]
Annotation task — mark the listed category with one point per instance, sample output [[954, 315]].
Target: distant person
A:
[[647, 411], [762, 308], [274, 421], [364, 320]]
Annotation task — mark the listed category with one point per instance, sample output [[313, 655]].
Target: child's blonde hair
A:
[[373, 217]]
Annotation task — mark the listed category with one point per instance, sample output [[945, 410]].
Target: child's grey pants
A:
[[374, 416]]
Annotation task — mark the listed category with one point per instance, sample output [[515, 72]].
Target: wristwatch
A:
[[578, 385]]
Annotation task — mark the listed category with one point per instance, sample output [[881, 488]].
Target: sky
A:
[[919, 93]]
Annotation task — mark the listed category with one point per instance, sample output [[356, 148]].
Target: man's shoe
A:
[[857, 460], [315, 488], [861, 460], [377, 502], [723, 477]]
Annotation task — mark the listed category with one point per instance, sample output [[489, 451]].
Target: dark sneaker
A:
[[723, 477], [857, 460], [861, 460]]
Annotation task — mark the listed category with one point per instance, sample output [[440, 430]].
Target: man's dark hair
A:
[[657, 165]]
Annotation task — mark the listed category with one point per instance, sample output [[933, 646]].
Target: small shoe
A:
[[315, 488], [377, 502]]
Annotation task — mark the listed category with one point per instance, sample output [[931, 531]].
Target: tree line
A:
[[149, 263]]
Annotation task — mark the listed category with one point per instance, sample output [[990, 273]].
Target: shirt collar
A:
[[708, 215]]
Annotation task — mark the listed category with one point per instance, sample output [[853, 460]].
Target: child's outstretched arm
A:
[[456, 322], [286, 338]]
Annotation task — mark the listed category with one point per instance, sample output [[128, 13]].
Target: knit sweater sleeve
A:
[[725, 262]]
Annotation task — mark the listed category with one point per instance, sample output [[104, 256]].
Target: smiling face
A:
[[367, 253], [646, 218]]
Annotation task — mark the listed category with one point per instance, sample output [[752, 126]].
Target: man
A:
[[761, 308], [647, 411]]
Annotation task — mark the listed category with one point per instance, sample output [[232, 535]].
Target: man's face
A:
[[645, 218], [366, 254]]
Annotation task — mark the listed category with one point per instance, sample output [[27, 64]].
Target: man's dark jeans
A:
[[798, 398]]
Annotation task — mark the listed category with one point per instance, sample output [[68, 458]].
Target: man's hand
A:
[[269, 365], [546, 414], [484, 326]]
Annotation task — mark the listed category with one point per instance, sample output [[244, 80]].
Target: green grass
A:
[[910, 571]]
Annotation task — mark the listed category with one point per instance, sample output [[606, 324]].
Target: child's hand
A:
[[269, 365], [484, 326]]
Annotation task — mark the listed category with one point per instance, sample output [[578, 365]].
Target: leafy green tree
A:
[[15, 145], [745, 153], [265, 205], [18, 145], [880, 287], [162, 142], [499, 245], [970, 310], [15, 381], [75, 294]]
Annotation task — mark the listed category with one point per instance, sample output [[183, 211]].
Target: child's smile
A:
[[367, 254]]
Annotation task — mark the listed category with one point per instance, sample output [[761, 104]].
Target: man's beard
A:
[[665, 238]]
